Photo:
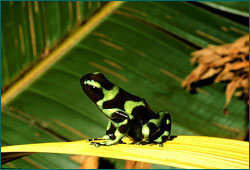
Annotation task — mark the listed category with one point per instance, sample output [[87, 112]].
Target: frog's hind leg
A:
[[157, 130], [166, 129]]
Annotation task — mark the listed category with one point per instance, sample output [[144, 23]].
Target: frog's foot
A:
[[140, 142], [146, 143], [105, 137], [104, 143], [91, 139], [97, 144]]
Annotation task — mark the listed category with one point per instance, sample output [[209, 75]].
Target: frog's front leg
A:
[[110, 130], [122, 120]]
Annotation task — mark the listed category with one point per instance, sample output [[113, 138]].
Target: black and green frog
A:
[[128, 114]]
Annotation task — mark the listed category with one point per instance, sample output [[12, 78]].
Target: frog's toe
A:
[[91, 139], [96, 144], [105, 143], [92, 143], [109, 142], [140, 143]]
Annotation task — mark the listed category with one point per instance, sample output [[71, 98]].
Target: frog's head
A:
[[93, 84]]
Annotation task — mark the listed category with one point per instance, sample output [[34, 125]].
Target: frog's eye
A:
[[93, 89]]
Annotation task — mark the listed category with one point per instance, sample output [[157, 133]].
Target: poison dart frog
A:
[[128, 114]]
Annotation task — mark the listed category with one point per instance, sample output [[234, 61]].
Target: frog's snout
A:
[[84, 78]]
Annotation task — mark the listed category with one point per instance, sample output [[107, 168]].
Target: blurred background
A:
[[143, 47]]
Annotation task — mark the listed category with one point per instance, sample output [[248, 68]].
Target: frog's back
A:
[[131, 104]]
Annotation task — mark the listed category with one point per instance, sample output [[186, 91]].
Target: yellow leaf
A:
[[181, 152]]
